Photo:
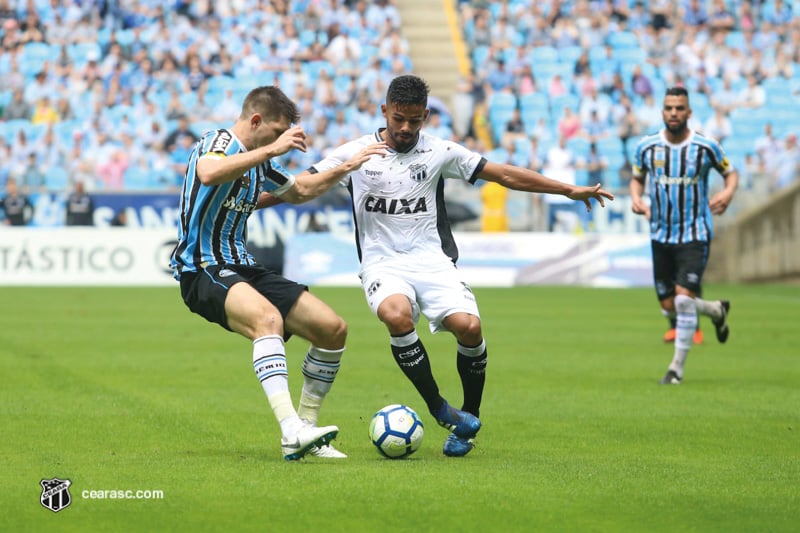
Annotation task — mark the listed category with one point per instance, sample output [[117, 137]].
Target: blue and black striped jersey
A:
[[213, 223], [678, 185]]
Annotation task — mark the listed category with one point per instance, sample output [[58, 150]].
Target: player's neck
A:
[[677, 138]]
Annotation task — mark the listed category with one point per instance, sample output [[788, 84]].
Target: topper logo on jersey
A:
[[418, 172], [396, 206], [240, 207], [221, 141]]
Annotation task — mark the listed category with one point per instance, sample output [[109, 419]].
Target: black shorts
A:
[[204, 292], [679, 264]]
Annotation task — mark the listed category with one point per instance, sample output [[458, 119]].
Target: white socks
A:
[[686, 325], [269, 363], [706, 308], [320, 367]]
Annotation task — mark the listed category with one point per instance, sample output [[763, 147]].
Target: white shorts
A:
[[436, 294]]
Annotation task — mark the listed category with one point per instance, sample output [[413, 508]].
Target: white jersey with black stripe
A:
[[398, 201]]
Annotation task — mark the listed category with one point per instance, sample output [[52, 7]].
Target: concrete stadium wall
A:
[[763, 244]]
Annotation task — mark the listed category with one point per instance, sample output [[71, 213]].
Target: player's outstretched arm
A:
[[310, 185], [215, 169], [525, 179]]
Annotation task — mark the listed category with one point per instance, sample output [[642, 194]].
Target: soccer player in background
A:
[[678, 161], [407, 252], [227, 178]]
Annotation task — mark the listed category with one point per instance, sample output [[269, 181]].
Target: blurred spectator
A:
[[178, 156], [17, 108], [515, 128], [596, 165], [120, 218], [80, 207], [494, 213], [44, 112], [499, 77], [111, 173], [437, 128], [694, 14], [753, 95], [726, 97], [50, 152], [40, 88], [596, 129], [787, 165], [569, 125], [640, 83], [721, 19], [718, 126], [463, 107], [767, 147], [648, 114], [32, 177], [16, 207], [182, 129], [560, 163], [627, 123]]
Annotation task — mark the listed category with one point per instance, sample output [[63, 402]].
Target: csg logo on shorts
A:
[[373, 288]]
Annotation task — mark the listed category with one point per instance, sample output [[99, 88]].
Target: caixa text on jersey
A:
[[396, 206]]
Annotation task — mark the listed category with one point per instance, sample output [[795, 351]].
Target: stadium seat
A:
[[56, 179], [80, 52], [735, 39], [632, 56], [543, 54], [37, 52], [531, 115], [480, 55], [623, 39], [501, 101], [137, 178], [534, 101], [558, 104], [569, 54], [579, 146]]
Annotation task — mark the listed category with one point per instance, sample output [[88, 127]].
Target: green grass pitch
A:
[[125, 389]]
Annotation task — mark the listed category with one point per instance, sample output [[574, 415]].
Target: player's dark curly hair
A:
[[408, 90], [677, 91], [272, 103]]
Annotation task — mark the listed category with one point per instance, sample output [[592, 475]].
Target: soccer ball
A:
[[396, 431]]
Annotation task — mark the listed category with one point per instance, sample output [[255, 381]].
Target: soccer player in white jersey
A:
[[229, 175], [679, 161], [407, 252]]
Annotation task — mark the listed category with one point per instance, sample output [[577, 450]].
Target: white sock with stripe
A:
[[320, 367], [684, 331], [269, 363]]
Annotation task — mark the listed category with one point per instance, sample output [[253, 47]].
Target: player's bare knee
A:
[[466, 328], [267, 321], [398, 322], [336, 335]]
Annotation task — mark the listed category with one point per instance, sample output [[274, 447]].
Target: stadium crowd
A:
[[113, 94], [571, 86]]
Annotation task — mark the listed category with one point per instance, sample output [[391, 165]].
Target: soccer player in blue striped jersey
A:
[[229, 175], [678, 162]]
